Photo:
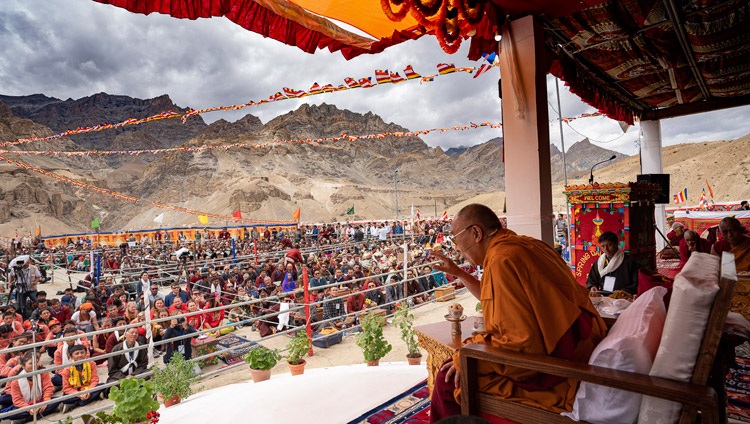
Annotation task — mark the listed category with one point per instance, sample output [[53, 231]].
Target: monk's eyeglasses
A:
[[455, 236]]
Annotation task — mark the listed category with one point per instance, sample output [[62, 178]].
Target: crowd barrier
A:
[[249, 321]]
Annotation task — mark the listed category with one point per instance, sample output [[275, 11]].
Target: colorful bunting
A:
[[383, 77], [196, 149]]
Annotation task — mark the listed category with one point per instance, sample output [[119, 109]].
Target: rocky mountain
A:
[[323, 179], [61, 115]]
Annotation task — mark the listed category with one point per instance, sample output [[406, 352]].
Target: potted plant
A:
[[404, 319], [134, 403], [371, 340], [174, 380], [261, 360], [297, 348]]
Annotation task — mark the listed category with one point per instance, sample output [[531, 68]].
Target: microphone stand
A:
[[591, 176]]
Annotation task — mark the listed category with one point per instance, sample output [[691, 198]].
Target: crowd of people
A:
[[211, 288]]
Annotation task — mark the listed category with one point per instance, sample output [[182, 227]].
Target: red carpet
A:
[[738, 386]]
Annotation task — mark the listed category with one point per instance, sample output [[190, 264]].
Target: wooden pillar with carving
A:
[[626, 209]]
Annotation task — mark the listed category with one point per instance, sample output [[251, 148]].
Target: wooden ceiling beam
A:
[[715, 103], [603, 80], [679, 28]]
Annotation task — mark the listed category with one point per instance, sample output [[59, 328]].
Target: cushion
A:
[[630, 346], [693, 294]]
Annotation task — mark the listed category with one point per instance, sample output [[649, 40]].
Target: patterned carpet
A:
[[738, 386], [412, 407]]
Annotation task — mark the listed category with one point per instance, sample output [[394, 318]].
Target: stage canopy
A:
[[652, 59]]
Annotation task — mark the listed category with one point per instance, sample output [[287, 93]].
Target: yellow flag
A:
[[203, 219]]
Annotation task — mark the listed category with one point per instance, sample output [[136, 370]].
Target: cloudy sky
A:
[[75, 48]]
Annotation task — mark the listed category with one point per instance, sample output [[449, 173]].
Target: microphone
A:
[[591, 176]]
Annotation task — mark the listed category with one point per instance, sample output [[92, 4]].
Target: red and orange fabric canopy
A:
[[646, 58]]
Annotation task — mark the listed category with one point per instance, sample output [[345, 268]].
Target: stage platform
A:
[[331, 395]]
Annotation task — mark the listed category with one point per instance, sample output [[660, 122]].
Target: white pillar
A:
[[651, 163]]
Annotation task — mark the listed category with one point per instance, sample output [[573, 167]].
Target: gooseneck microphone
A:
[[591, 176]]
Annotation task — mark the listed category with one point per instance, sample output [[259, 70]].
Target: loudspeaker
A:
[[663, 181]]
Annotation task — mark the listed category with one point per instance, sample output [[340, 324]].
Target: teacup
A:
[[455, 310]]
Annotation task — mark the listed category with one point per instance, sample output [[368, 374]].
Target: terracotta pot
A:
[[297, 369], [174, 400], [374, 363], [260, 375], [414, 361]]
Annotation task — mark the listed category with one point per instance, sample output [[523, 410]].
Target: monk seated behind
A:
[[530, 303]]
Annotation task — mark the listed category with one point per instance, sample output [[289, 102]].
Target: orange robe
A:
[[742, 255], [530, 301]]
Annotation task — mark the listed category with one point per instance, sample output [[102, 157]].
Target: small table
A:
[[202, 347], [440, 345]]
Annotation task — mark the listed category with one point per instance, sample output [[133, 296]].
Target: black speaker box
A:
[[661, 179]]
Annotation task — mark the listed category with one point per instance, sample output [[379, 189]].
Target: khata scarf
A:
[[283, 317], [614, 262], [131, 357], [80, 379], [26, 388], [65, 358]]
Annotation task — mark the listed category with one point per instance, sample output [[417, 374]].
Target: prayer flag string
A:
[[197, 149]]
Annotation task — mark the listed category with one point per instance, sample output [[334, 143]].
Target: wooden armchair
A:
[[695, 395]]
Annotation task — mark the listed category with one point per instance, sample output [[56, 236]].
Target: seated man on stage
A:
[[613, 270], [690, 243], [736, 241], [524, 280]]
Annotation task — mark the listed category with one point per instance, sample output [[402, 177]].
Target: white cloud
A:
[[75, 48]]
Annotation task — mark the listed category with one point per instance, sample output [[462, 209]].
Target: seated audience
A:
[[125, 363], [28, 391], [79, 376]]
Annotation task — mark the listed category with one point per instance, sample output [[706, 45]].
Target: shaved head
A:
[[476, 214]]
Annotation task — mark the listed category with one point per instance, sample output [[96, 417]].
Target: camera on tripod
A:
[[18, 262], [183, 255]]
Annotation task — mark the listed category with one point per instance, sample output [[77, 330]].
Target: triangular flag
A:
[[159, 219], [38, 231], [203, 219], [237, 215], [445, 215], [95, 223], [703, 202], [296, 215], [482, 69], [350, 211]]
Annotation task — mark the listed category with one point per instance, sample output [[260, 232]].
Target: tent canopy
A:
[[651, 59]]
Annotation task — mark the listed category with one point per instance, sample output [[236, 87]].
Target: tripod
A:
[[20, 287], [666, 240]]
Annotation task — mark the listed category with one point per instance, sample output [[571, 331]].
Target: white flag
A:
[[159, 218]]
